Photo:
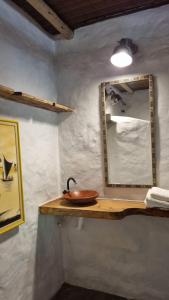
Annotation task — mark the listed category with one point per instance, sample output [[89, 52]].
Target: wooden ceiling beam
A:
[[44, 10], [126, 87]]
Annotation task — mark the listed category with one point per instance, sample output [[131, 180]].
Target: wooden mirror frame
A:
[[152, 122]]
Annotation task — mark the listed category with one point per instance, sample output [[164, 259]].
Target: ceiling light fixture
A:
[[123, 53]]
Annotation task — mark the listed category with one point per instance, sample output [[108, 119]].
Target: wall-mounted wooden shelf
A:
[[102, 209], [27, 99]]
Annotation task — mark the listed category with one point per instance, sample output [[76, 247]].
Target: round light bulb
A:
[[121, 59]]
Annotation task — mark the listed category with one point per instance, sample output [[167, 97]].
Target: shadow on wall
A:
[[21, 111], [48, 273], [8, 235]]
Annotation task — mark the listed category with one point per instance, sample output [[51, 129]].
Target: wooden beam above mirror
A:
[[127, 88], [43, 9]]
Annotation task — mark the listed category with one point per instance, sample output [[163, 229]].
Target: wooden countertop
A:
[[103, 209]]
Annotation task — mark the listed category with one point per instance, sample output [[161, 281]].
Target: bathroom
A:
[[127, 257]]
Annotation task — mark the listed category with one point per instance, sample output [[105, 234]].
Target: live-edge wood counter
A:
[[103, 209]]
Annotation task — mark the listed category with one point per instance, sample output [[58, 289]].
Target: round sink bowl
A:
[[81, 197]]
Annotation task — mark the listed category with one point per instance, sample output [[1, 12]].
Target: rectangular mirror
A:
[[127, 111]]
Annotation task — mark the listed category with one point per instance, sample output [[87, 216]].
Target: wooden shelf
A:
[[102, 209], [27, 99]]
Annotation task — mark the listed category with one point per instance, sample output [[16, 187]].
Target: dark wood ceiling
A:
[[78, 13]]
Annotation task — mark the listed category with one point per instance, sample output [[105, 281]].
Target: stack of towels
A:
[[157, 197]]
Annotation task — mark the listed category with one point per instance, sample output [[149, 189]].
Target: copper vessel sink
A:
[[81, 197]]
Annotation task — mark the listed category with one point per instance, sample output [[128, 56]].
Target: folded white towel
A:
[[148, 196], [156, 203], [159, 194], [153, 202]]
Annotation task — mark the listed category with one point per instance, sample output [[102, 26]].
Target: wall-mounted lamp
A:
[[123, 53]]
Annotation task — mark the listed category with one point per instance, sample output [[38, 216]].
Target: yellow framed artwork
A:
[[11, 189]]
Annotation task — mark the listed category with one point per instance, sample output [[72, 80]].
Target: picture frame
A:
[[11, 186], [132, 79]]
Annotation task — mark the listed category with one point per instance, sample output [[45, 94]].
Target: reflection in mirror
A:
[[128, 114]]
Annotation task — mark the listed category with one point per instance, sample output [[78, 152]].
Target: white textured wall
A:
[[128, 257], [30, 258]]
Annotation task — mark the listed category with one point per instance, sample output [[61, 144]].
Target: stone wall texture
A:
[[30, 257], [127, 257]]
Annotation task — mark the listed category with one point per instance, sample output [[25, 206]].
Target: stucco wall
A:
[[128, 257], [30, 257]]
